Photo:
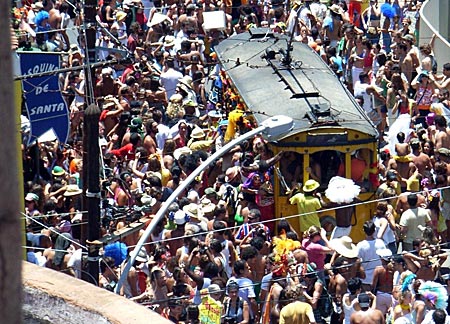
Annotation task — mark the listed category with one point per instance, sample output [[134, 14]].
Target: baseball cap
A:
[[364, 300]]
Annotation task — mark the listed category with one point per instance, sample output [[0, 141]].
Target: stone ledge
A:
[[58, 298]]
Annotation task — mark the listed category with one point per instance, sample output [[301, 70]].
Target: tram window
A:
[[358, 167], [290, 171], [324, 165]]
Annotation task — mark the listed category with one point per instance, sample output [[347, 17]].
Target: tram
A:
[[274, 76]]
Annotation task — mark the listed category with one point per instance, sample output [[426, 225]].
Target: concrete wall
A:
[[53, 297], [435, 20]]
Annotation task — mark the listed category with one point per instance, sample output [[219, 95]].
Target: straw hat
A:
[[74, 49], [148, 200], [310, 185], [186, 80], [180, 151], [231, 173], [157, 19], [193, 210], [142, 256], [336, 9], [197, 133], [72, 190], [121, 15], [207, 206], [38, 5], [169, 41], [345, 247]]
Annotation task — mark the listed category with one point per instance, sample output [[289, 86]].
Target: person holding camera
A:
[[246, 289], [236, 309]]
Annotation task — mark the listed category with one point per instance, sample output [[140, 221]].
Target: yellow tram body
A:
[[329, 125]]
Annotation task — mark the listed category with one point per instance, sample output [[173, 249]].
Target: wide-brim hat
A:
[[336, 9], [345, 247], [176, 98], [215, 114], [384, 254], [310, 185], [193, 210], [231, 173], [180, 217], [72, 190], [142, 256], [121, 15], [57, 171], [184, 87], [214, 289], [157, 19], [409, 37], [197, 133], [186, 80], [148, 200], [39, 5], [169, 41], [207, 206], [180, 151], [74, 48]]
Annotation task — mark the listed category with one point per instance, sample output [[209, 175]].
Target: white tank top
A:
[[388, 236], [226, 254], [348, 310]]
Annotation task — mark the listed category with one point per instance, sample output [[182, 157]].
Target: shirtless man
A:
[[421, 160], [402, 202], [443, 81], [334, 29], [406, 62], [151, 128], [110, 114], [56, 21], [366, 315], [337, 287], [107, 85], [442, 137], [382, 282]]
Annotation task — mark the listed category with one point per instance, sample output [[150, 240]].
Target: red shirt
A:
[[125, 151]]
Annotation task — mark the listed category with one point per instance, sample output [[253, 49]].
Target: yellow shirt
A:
[[202, 145], [307, 205]]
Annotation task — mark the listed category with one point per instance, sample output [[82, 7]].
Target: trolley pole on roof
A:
[[91, 154]]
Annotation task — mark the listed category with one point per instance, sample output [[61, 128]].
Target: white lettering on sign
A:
[[41, 68], [47, 109], [40, 89]]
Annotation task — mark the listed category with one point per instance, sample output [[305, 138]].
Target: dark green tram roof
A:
[[306, 89]]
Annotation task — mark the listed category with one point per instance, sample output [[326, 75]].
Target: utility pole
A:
[[91, 154], [11, 182], [91, 117]]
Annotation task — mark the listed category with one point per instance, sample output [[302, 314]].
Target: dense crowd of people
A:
[[168, 106]]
